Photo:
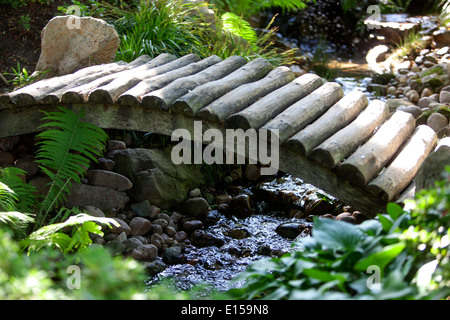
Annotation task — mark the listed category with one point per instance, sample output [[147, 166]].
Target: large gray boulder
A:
[[70, 43], [156, 178]]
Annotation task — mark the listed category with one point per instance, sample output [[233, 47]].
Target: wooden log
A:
[[132, 96], [337, 117], [274, 103], [407, 194], [110, 92], [403, 169], [162, 98], [371, 157], [203, 95], [80, 94], [37, 91], [55, 96], [346, 140], [305, 111], [243, 96]]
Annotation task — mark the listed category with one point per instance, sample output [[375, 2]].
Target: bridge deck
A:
[[355, 151]]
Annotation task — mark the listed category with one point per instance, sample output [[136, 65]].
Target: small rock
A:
[[237, 233], [146, 252], [170, 231], [222, 199], [106, 164], [328, 216], [195, 207], [6, 158], [140, 226], [174, 255], [424, 102], [415, 111], [413, 96], [240, 206], [162, 222], [121, 237], [157, 228], [132, 243], [195, 193], [154, 267], [290, 230], [163, 215], [391, 90], [192, 225], [444, 97], [201, 238], [116, 145], [437, 121], [211, 218], [359, 217], [443, 51], [123, 227], [319, 207], [426, 93], [142, 209], [346, 216], [108, 179], [180, 236], [435, 97], [93, 211], [115, 247]]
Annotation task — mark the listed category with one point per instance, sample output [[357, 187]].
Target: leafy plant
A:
[[247, 8], [155, 27], [65, 151], [22, 78], [51, 235], [407, 250], [228, 39]]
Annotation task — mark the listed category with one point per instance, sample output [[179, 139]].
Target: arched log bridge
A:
[[352, 149]]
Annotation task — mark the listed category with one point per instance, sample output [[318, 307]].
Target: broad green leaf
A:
[[394, 210], [380, 258], [335, 234]]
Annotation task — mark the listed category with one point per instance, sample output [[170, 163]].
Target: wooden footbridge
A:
[[356, 151]]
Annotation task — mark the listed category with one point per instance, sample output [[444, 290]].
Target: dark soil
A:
[[20, 41]]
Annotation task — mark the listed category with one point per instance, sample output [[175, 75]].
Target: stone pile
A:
[[421, 86]]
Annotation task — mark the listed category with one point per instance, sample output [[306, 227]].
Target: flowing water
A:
[[217, 266]]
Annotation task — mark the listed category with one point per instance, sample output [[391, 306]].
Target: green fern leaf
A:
[[25, 193], [16, 220], [65, 151], [52, 235]]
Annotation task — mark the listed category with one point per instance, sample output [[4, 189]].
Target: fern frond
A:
[[25, 193], [65, 151], [8, 198], [238, 26], [51, 235], [16, 220]]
